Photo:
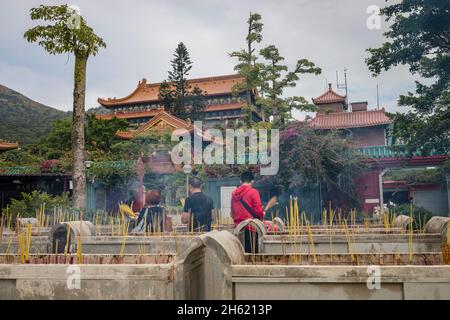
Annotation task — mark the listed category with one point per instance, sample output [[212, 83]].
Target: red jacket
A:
[[252, 198]]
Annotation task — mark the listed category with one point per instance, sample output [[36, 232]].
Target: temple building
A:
[[6, 146], [363, 127], [222, 106]]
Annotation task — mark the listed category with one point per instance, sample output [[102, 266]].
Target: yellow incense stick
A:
[[347, 235], [448, 232], [66, 247], [79, 247], [311, 240], [122, 248], [411, 233], [8, 246]]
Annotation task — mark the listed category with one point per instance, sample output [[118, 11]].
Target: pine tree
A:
[[275, 77], [166, 97], [181, 65], [247, 65], [197, 104]]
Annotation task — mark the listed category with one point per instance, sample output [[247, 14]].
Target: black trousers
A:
[[251, 241]]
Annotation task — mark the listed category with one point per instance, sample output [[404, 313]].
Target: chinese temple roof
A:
[[149, 92], [329, 97], [5, 146], [160, 121], [163, 121], [342, 120]]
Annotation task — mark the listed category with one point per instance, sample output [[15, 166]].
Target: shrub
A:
[[420, 215], [26, 208]]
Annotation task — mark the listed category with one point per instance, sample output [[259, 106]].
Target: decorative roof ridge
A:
[[161, 115], [339, 120], [142, 85], [382, 110], [202, 79], [8, 145], [337, 97]]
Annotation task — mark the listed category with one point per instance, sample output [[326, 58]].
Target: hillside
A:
[[25, 120]]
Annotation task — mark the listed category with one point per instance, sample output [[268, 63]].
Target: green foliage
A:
[[24, 120], [308, 157], [247, 66], [59, 37], [31, 202], [101, 134], [181, 65], [61, 135], [101, 145], [275, 78], [416, 176], [420, 215], [166, 96], [18, 157], [170, 185], [197, 101], [270, 78], [112, 175], [419, 37], [176, 94]]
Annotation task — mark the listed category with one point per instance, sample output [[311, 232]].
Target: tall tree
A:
[[101, 134], [166, 96], [197, 103], [79, 39], [420, 38], [308, 157], [181, 65], [247, 62], [275, 78]]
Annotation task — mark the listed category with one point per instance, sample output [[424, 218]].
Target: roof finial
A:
[[329, 86], [142, 83]]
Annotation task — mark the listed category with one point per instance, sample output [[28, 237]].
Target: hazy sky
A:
[[142, 35]]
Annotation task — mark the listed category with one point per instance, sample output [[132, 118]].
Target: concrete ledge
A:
[[178, 278], [340, 282]]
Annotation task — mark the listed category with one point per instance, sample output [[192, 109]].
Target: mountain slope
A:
[[25, 120]]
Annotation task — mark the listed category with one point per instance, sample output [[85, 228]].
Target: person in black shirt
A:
[[197, 212]]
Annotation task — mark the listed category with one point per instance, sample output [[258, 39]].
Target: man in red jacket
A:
[[246, 204]]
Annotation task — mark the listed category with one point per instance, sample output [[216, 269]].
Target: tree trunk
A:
[[248, 92], [79, 91]]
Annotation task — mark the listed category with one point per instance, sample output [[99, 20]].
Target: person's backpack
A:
[[141, 225]]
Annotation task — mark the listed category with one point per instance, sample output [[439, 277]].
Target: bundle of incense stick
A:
[[21, 239], [411, 233], [28, 243], [349, 241]]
